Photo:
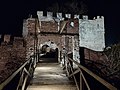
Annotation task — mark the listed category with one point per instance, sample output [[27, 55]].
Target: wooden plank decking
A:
[[50, 76]]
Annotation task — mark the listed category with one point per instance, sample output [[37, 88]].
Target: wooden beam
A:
[[24, 83], [85, 80], [20, 80], [57, 33], [27, 71], [75, 72], [63, 26]]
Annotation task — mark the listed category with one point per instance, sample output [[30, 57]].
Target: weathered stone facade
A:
[[11, 50], [50, 37], [76, 55], [48, 26], [73, 26], [29, 35], [91, 33], [12, 56]]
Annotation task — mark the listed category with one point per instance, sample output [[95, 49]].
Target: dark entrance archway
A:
[[48, 54]]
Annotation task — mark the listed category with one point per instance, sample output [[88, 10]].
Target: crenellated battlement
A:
[[7, 38], [67, 15], [85, 17], [59, 15], [49, 14], [15, 41]]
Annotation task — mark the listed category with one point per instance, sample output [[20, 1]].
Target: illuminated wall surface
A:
[[91, 33], [76, 48]]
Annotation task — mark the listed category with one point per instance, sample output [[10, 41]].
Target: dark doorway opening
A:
[[49, 56]]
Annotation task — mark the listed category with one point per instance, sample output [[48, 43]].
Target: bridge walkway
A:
[[50, 76]]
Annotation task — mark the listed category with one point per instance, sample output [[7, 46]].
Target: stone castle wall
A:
[[92, 33], [12, 56]]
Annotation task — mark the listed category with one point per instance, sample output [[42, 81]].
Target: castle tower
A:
[[91, 33]]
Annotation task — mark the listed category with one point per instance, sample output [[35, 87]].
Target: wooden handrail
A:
[[105, 83], [3, 84]]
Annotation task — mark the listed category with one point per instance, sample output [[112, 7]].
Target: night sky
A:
[[12, 13]]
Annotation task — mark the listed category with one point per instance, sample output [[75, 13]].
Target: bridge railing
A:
[[22, 74], [82, 78]]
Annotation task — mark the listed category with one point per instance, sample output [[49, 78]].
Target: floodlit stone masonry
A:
[[91, 33], [12, 56]]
